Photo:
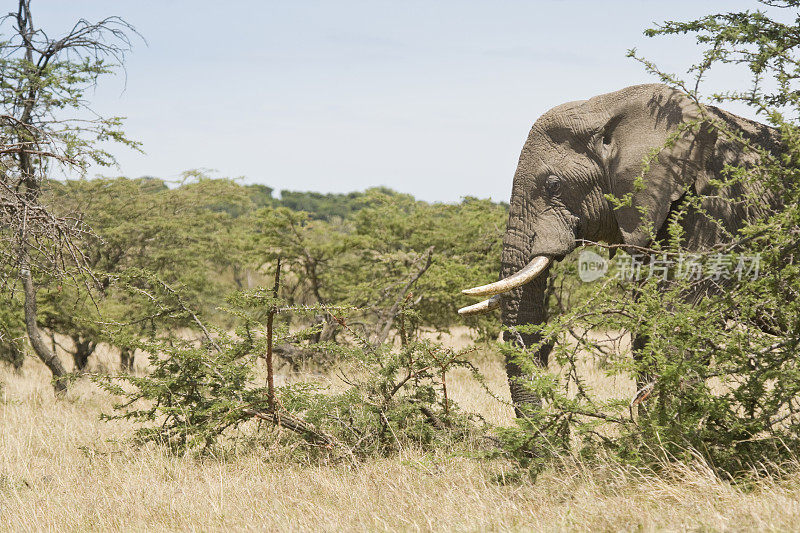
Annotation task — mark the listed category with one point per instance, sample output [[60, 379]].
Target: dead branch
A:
[[434, 420], [301, 427]]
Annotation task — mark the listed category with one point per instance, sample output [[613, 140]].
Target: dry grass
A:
[[62, 469]]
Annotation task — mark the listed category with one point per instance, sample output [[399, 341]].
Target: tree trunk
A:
[[37, 342], [84, 348]]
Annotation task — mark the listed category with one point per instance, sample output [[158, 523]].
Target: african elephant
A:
[[579, 152]]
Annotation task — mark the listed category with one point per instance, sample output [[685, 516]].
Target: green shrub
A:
[[197, 393]]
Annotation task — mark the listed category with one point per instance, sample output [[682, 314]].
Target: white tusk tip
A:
[[481, 307]]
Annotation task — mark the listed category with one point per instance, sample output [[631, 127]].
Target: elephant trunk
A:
[[523, 305], [521, 292]]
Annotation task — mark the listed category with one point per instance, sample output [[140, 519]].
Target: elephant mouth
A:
[[525, 275]]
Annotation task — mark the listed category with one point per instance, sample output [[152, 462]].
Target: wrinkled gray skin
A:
[[577, 153]]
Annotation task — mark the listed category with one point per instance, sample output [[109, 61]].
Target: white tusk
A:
[[481, 307], [523, 276]]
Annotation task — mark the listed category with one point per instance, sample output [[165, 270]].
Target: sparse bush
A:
[[199, 392]]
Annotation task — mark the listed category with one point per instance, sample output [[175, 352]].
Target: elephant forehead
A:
[[560, 134], [572, 117], [543, 154], [559, 143]]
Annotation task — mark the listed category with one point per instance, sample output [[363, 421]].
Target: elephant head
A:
[[575, 156]]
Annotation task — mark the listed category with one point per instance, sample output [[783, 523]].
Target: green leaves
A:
[[390, 245]]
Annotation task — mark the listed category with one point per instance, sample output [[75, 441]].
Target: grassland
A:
[[62, 469]]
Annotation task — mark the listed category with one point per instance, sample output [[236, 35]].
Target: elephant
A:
[[580, 152]]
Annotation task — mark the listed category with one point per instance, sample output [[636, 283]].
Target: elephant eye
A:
[[552, 185]]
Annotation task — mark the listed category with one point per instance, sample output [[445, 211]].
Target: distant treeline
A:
[[319, 206]]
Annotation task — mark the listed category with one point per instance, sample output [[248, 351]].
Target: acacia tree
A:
[[47, 126]]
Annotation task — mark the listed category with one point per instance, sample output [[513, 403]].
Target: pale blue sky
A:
[[429, 98]]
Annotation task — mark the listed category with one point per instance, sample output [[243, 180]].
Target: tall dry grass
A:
[[62, 469]]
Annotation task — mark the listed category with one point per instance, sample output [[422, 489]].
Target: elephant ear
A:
[[644, 120]]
